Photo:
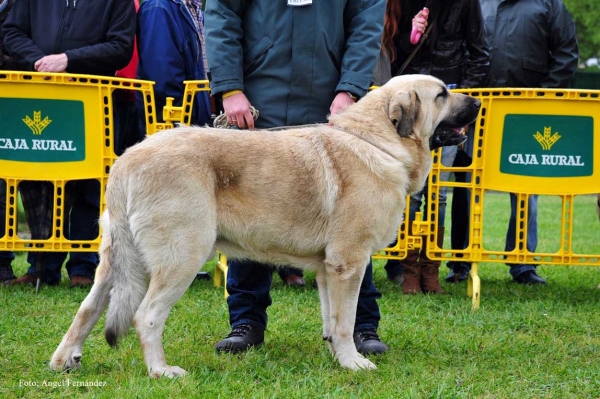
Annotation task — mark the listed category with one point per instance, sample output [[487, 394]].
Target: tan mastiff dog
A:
[[320, 197]]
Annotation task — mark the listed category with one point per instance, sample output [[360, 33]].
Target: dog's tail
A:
[[130, 282]]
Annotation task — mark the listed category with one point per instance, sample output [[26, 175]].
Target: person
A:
[[260, 53], [126, 123], [6, 63], [81, 37], [455, 51], [533, 45], [170, 45]]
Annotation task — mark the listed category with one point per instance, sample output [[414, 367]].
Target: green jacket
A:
[[291, 61]]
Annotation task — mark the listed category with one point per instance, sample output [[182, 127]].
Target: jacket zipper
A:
[[60, 29]]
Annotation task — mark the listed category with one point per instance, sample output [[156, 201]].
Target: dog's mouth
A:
[[446, 135]]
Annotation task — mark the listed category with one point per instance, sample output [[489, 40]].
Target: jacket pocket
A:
[[256, 52], [535, 64]]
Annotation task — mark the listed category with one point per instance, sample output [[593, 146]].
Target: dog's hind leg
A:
[[68, 354], [173, 269], [344, 277]]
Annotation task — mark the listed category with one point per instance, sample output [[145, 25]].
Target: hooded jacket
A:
[[96, 35], [291, 60]]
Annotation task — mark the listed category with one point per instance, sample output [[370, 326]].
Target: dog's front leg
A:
[[321, 279], [343, 286]]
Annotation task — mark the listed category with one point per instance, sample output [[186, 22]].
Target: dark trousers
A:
[[5, 256], [82, 210], [248, 284]]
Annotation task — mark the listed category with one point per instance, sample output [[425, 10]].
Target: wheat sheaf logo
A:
[[547, 140], [37, 125]]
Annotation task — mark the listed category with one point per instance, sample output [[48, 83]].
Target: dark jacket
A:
[[533, 43], [291, 61], [5, 61], [170, 52], [456, 50], [96, 35]]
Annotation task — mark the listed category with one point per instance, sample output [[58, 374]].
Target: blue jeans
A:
[[532, 206], [5, 256], [84, 195], [249, 282], [394, 267]]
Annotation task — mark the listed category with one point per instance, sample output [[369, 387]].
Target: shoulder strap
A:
[[414, 52]]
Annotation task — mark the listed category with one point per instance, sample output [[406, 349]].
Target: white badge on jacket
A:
[[298, 3]]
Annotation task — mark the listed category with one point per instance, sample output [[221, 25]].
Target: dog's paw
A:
[[167, 371], [358, 363], [66, 361]]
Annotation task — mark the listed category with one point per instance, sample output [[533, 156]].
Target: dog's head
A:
[[421, 106]]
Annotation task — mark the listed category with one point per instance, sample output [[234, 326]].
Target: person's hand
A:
[[341, 101], [237, 108], [52, 63], [419, 22]]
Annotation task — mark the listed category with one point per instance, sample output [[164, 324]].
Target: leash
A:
[[222, 123], [414, 52]]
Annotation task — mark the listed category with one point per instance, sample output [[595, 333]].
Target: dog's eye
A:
[[442, 94]]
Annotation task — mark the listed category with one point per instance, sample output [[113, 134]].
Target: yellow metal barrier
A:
[[516, 128], [58, 128], [527, 141]]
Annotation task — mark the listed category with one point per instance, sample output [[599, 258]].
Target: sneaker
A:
[[26, 279], [241, 338], [368, 343], [457, 277], [6, 272]]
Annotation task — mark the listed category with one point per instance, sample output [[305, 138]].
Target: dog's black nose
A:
[[477, 103]]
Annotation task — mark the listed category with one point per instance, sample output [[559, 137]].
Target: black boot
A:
[[241, 338], [368, 343], [6, 272]]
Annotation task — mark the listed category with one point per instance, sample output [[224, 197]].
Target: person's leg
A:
[[523, 273], [6, 257], [366, 339], [37, 197], [248, 285], [83, 226], [395, 268]]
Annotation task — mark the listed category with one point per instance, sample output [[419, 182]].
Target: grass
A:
[[524, 342]]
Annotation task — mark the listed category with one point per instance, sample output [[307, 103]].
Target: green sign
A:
[[34, 130], [547, 145]]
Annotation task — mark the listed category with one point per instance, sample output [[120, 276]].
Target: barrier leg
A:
[[474, 285], [221, 273]]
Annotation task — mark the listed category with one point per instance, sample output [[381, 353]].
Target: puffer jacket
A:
[[533, 43], [170, 52], [96, 35], [291, 61], [458, 54]]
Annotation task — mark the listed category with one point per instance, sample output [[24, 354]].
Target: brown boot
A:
[[412, 273], [430, 282]]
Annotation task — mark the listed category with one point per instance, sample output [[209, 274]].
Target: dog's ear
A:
[[403, 112]]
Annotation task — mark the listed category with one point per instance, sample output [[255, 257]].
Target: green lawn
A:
[[523, 342]]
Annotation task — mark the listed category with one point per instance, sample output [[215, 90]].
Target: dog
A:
[[322, 197]]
